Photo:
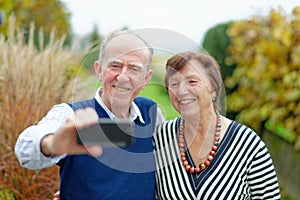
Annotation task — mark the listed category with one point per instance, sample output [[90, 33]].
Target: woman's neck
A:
[[201, 124], [200, 129], [199, 134]]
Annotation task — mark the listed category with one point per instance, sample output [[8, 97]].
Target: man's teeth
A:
[[121, 89], [186, 101]]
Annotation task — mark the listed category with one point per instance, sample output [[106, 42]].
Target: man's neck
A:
[[121, 112]]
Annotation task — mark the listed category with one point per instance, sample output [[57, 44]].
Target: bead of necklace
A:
[[210, 157]]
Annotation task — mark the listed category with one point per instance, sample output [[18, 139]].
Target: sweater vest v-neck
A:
[[119, 173]]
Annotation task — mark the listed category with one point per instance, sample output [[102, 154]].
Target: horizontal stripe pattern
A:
[[242, 167]]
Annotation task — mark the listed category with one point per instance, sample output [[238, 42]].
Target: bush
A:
[[31, 81], [266, 51], [216, 42]]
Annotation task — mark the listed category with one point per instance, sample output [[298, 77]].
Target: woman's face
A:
[[190, 90]]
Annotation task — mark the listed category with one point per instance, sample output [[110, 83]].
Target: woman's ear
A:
[[97, 69], [214, 96]]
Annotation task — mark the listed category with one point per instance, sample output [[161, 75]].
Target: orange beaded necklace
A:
[[211, 154]]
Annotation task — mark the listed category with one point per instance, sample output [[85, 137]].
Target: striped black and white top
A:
[[241, 169]]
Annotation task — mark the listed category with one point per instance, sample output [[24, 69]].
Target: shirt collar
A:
[[134, 109]]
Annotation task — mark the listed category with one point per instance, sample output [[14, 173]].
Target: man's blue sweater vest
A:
[[119, 173]]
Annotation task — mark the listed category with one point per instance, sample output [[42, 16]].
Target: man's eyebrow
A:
[[136, 64]]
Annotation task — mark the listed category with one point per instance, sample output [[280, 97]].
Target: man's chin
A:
[[121, 101]]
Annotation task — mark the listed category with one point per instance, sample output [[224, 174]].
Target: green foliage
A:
[[215, 43], [159, 94], [92, 42], [156, 88], [46, 15], [6, 194], [266, 51]]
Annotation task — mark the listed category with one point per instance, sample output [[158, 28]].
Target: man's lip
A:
[[121, 89]]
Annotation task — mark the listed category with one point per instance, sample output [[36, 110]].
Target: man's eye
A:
[[115, 66], [135, 69]]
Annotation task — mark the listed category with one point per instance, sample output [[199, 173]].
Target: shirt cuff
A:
[[53, 159]]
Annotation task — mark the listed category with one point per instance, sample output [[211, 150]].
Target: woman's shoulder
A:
[[168, 123], [243, 132], [168, 127]]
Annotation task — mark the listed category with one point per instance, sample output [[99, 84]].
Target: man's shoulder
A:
[[82, 104], [143, 101]]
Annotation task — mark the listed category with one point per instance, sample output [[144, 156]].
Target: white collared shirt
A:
[[134, 109], [27, 148]]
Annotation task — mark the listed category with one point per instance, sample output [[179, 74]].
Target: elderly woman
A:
[[202, 154]]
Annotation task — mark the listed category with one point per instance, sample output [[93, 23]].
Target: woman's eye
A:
[[173, 85]]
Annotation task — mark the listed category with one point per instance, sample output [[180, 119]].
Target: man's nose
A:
[[123, 75]]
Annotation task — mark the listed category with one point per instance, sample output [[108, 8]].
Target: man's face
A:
[[123, 71]]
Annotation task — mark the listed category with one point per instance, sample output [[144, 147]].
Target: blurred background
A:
[[47, 49]]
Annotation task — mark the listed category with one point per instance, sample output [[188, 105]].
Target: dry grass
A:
[[31, 82]]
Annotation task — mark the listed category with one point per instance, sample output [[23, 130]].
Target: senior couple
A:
[[198, 155]]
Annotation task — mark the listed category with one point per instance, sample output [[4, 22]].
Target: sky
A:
[[191, 18]]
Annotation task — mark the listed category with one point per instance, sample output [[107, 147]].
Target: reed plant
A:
[[32, 80]]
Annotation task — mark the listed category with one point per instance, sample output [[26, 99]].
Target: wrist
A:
[[46, 145]]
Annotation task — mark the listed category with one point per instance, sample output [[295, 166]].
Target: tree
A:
[[266, 51], [46, 15], [215, 43], [92, 41]]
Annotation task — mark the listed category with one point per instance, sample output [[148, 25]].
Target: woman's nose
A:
[[182, 88]]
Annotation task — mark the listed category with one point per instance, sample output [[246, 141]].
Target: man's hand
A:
[[64, 140], [56, 196]]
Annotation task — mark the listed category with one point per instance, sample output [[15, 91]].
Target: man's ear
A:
[[97, 69], [147, 79]]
